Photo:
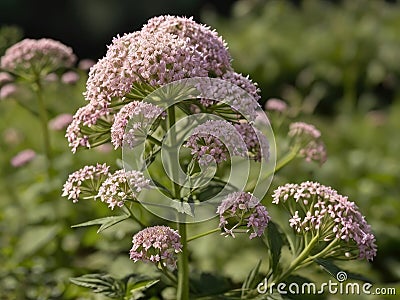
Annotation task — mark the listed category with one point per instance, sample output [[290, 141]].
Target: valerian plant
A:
[[193, 136]]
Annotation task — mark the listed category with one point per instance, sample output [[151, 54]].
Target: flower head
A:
[[85, 182], [144, 114], [37, 57], [215, 55], [215, 140], [60, 122], [157, 244], [23, 158], [70, 77], [256, 142], [308, 139], [243, 209], [153, 58], [85, 116], [320, 210], [121, 186], [274, 104], [7, 90], [5, 77]]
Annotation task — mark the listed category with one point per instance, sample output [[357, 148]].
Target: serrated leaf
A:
[[275, 243], [334, 270], [250, 280], [105, 223], [102, 284]]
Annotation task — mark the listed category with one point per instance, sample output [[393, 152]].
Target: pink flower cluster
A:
[[216, 58], [85, 116], [85, 180], [121, 186], [41, 56], [92, 182], [158, 245], [23, 157], [243, 209], [215, 140], [307, 138], [256, 142], [145, 114], [322, 210], [274, 104]]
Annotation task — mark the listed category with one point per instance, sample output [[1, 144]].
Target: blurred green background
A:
[[337, 63]]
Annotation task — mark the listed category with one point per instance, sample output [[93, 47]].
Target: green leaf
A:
[[252, 279], [135, 289], [337, 272], [183, 207], [275, 243], [102, 284], [34, 238], [104, 222]]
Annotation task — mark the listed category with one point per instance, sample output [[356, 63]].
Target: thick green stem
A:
[[183, 265], [183, 257], [43, 122]]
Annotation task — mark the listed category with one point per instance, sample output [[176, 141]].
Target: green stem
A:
[[197, 236], [286, 159], [154, 140], [43, 121], [183, 265], [134, 217], [299, 260], [183, 257]]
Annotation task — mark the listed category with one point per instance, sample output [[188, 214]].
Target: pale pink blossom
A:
[[243, 209], [158, 245], [23, 158], [60, 122]]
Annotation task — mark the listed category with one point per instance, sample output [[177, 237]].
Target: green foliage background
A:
[[338, 66]]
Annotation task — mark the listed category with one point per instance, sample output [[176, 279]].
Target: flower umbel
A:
[[215, 140], [320, 211], [242, 209], [121, 186], [157, 244], [84, 183], [144, 114], [307, 138], [35, 58]]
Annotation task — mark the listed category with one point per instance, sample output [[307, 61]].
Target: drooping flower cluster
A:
[[308, 139], [121, 186], [34, 58], [83, 183], [322, 211], [242, 209], [158, 245], [145, 114], [215, 140]]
